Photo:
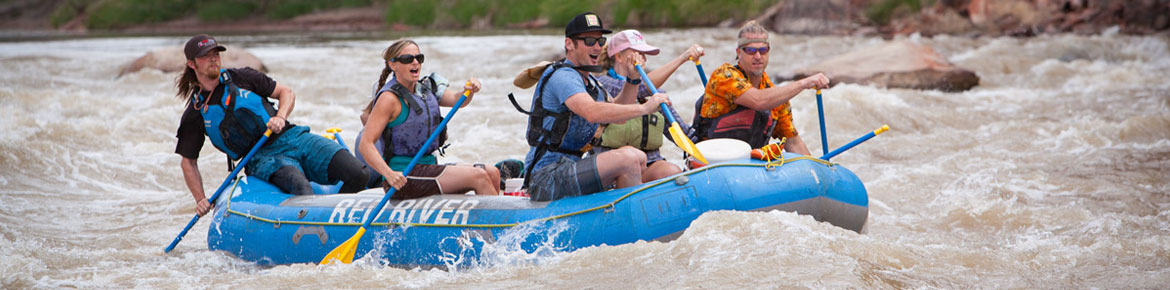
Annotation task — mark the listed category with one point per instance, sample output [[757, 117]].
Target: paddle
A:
[[855, 142], [337, 136], [702, 75], [821, 113], [676, 132], [344, 252], [223, 186]]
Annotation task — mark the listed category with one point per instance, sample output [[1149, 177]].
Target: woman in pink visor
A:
[[625, 49]]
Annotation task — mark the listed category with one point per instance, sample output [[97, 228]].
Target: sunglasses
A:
[[590, 41], [409, 58], [754, 50]]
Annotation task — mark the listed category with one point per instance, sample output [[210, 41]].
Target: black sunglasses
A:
[[753, 50], [590, 41], [409, 58]]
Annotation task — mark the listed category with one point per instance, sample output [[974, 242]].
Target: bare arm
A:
[[660, 74], [194, 182], [387, 108], [287, 100], [766, 99], [450, 97], [628, 95], [602, 112]]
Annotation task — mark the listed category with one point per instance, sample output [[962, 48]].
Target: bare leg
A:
[[494, 174], [659, 170], [458, 179], [622, 166]]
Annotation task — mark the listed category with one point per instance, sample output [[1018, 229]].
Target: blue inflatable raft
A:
[[259, 223]]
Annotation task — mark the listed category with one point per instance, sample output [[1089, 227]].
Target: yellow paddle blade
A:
[[344, 252], [685, 143]]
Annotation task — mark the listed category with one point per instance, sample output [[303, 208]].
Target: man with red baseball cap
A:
[[233, 108]]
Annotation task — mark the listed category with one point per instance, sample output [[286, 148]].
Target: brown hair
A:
[[752, 27], [387, 54], [390, 53], [607, 61], [187, 83]]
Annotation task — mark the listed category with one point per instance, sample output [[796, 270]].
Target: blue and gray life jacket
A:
[[237, 120], [423, 117], [570, 133]]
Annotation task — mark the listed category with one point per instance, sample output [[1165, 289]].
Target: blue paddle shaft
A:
[[337, 135], [653, 90], [417, 156], [821, 113], [848, 146], [215, 196], [702, 75]]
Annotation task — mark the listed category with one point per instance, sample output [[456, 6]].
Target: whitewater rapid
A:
[[1054, 172]]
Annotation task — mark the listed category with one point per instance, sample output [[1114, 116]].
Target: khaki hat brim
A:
[[529, 77]]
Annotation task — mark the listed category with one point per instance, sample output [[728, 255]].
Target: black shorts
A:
[[565, 178], [422, 181]]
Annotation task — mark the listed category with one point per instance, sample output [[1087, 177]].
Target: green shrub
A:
[[121, 13], [225, 10], [516, 11], [356, 3], [560, 12], [411, 12], [462, 11], [65, 12]]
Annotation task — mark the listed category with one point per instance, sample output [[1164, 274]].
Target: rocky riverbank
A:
[[836, 17]]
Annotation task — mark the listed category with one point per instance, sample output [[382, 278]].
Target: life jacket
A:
[[570, 134], [742, 123], [237, 120], [423, 117], [643, 133]]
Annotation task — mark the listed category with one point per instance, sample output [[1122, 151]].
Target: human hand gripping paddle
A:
[[223, 186], [344, 252], [676, 132], [702, 75]]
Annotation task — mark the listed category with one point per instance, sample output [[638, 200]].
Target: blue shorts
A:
[[565, 178], [296, 147]]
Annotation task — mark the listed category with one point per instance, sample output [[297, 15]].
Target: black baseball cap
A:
[[200, 45], [585, 22]]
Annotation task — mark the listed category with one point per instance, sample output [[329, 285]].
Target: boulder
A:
[[812, 17], [895, 64], [171, 59]]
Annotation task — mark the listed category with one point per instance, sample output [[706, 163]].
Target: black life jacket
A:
[[742, 123]]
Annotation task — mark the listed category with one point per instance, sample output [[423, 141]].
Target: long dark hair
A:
[[187, 83], [388, 54]]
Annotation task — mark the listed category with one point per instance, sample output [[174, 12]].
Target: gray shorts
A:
[[565, 178]]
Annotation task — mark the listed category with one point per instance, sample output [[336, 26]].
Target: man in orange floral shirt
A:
[[740, 101]]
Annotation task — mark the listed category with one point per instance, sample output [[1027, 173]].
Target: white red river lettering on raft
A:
[[427, 211]]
